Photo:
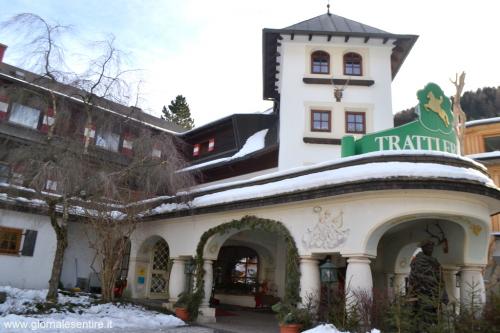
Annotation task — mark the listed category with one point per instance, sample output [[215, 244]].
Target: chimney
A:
[[2, 51]]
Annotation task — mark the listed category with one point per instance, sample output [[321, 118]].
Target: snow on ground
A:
[[77, 314], [330, 328], [254, 143], [23, 300]]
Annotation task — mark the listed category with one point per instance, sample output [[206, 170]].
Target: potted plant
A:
[[291, 318], [182, 306]]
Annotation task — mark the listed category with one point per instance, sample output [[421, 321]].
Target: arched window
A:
[[353, 64], [320, 62]]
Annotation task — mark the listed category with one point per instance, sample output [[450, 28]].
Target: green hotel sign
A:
[[433, 130]]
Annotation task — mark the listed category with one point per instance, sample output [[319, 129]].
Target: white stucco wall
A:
[[78, 256], [362, 218], [298, 98], [23, 271]]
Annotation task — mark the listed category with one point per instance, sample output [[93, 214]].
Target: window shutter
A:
[[196, 150], [211, 144], [48, 120], [156, 152], [127, 144], [89, 133], [4, 105], [29, 243]]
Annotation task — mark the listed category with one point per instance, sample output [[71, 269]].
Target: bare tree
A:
[[65, 172], [113, 218]]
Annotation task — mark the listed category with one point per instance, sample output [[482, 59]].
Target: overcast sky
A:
[[210, 51]]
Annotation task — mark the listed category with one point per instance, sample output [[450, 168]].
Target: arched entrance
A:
[[152, 269], [264, 244], [461, 247]]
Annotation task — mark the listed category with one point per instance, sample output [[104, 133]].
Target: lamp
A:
[[328, 272]]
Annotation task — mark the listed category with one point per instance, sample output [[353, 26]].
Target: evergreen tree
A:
[[480, 104], [178, 112]]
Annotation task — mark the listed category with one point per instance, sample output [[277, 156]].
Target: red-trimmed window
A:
[[321, 121], [355, 122], [353, 64], [320, 62], [204, 147]]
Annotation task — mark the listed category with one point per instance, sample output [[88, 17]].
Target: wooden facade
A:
[[475, 135]]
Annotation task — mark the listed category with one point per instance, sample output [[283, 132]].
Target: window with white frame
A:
[[24, 115], [108, 140]]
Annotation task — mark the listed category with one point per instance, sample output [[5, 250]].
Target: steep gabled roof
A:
[[334, 23], [329, 25]]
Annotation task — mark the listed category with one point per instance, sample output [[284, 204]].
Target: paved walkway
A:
[[246, 321]]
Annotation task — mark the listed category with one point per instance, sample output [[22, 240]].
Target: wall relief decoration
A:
[[329, 231]]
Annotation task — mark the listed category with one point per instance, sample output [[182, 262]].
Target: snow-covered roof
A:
[[307, 178], [331, 163], [255, 142], [482, 121], [485, 156]]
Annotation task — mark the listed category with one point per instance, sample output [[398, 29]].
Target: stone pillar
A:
[[450, 282], [400, 283], [207, 314], [472, 286], [358, 278], [207, 282], [177, 282], [309, 279]]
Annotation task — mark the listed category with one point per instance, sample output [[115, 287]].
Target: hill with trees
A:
[[480, 104]]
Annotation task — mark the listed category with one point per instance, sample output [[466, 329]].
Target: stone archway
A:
[[396, 241], [211, 241]]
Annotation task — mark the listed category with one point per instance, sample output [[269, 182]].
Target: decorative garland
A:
[[253, 223]]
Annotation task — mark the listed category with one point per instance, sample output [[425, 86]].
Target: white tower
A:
[[304, 63]]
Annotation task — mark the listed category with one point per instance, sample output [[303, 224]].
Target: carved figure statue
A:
[[434, 105], [426, 287], [459, 114]]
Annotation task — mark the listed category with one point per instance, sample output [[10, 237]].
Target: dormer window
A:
[[204, 147], [353, 64], [320, 62]]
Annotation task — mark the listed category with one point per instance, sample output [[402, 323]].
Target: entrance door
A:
[[158, 287]]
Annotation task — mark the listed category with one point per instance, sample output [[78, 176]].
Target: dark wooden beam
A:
[[278, 44], [385, 40], [329, 37], [310, 37], [367, 39], [322, 141], [280, 37], [355, 82], [292, 37], [346, 39], [277, 54]]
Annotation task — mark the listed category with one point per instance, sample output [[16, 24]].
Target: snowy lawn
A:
[[329, 328], [24, 311]]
